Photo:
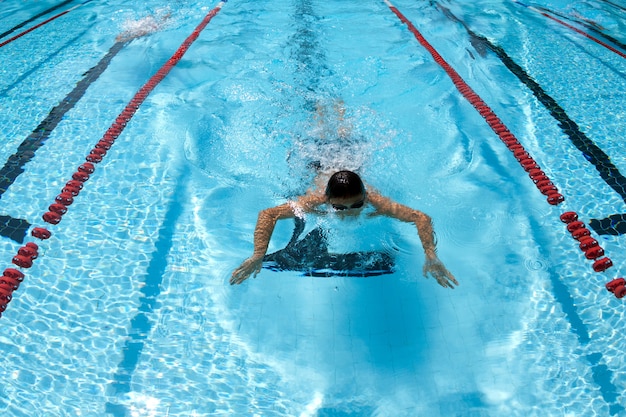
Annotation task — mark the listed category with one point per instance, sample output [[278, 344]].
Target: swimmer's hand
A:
[[435, 268], [250, 266]]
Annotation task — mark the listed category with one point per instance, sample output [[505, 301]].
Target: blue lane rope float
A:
[[12, 277], [19, 35]]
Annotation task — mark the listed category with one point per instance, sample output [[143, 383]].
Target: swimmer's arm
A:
[[386, 207], [433, 266], [265, 227], [263, 233], [267, 220]]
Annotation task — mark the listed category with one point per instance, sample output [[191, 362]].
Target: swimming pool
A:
[[127, 309]]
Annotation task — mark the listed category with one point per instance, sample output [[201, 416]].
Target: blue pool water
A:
[[128, 312]]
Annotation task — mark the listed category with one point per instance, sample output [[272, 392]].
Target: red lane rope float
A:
[[585, 34], [11, 277], [19, 35], [586, 243], [578, 230], [536, 174], [575, 29], [593, 251]]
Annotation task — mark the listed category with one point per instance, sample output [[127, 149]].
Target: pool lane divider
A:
[[590, 246], [32, 19], [591, 151], [12, 277], [536, 174], [19, 35], [615, 224], [587, 24], [577, 228], [14, 166], [601, 374], [575, 29]]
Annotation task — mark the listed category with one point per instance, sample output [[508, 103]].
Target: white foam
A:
[[149, 24]]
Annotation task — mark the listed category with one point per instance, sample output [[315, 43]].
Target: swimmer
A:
[[345, 195], [142, 27]]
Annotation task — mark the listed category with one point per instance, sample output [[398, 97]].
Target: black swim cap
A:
[[344, 184]]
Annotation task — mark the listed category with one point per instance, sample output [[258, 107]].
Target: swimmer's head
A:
[[344, 184]]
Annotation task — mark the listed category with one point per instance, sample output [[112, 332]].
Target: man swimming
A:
[[346, 195], [142, 27]]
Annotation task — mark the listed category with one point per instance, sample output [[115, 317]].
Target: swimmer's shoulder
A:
[[374, 197], [310, 201], [382, 204]]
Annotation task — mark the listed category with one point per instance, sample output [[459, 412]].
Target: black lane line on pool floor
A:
[[610, 174], [32, 19], [602, 375], [16, 229], [141, 325], [312, 67]]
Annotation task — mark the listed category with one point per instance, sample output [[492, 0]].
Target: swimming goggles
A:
[[356, 205]]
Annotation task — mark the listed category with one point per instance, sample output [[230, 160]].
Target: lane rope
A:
[[614, 224], [14, 166], [575, 29], [588, 25], [576, 228], [14, 228], [32, 19], [19, 35], [591, 151], [536, 174], [12, 277], [602, 377]]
